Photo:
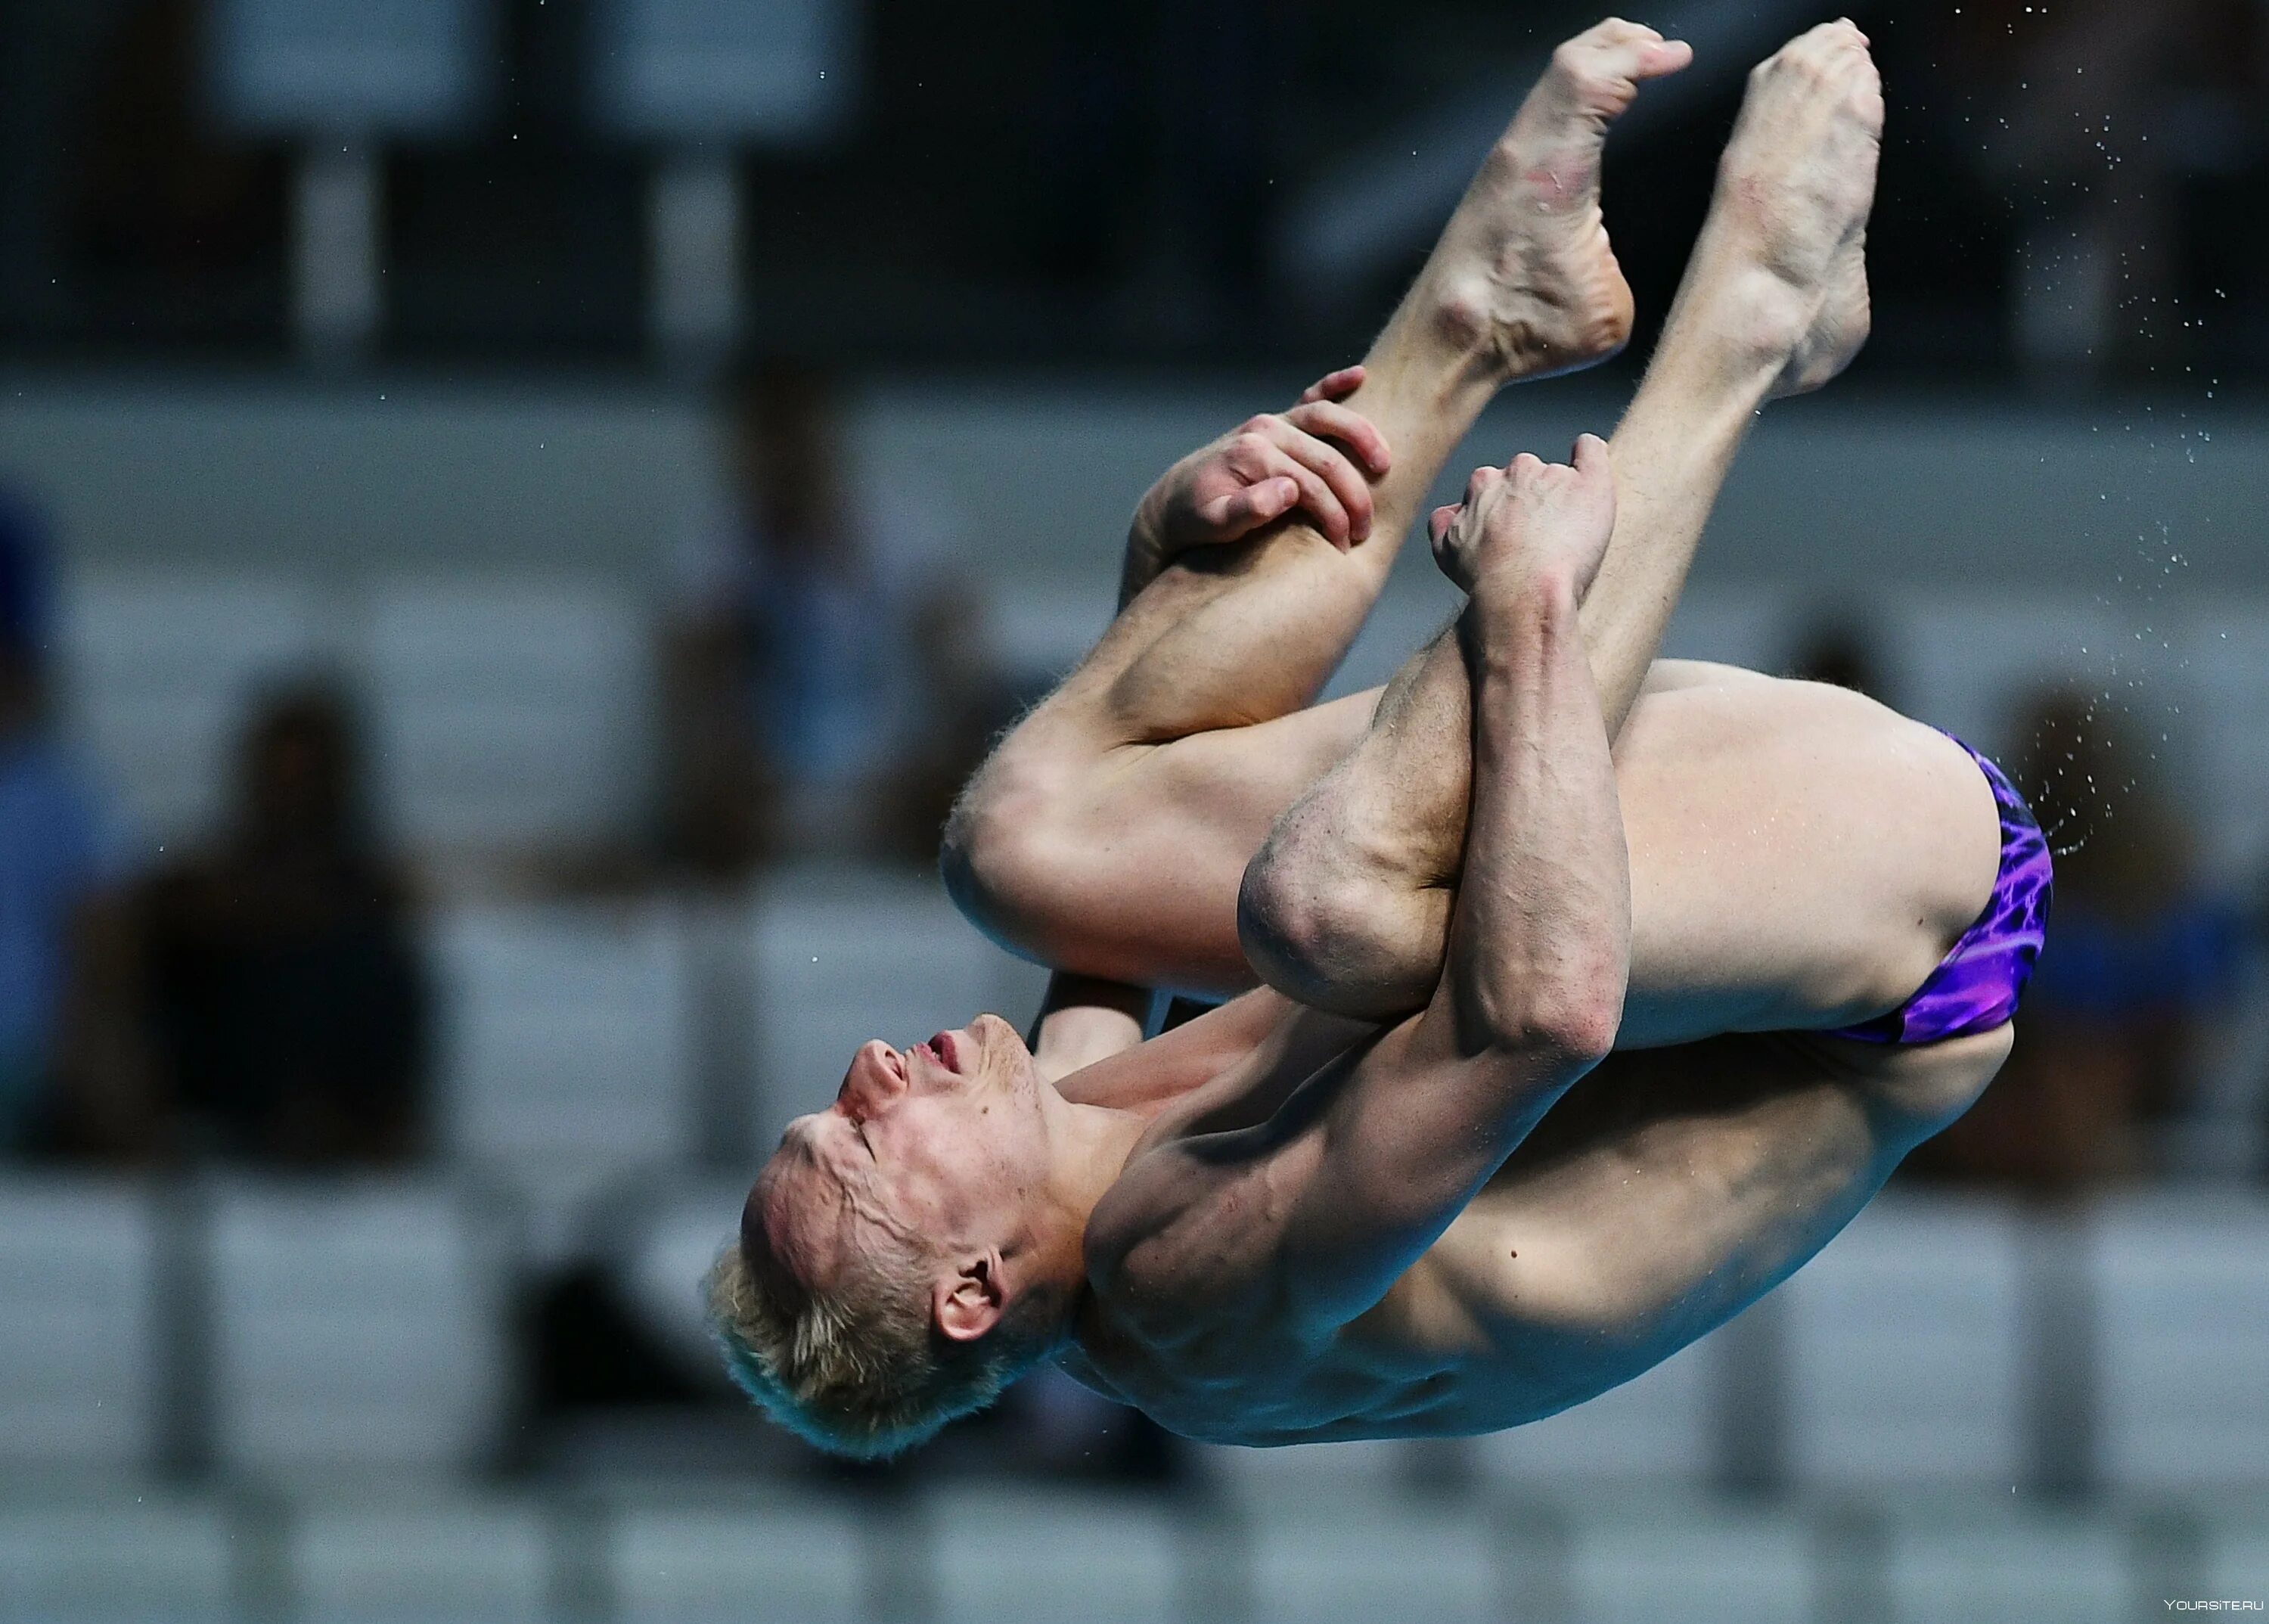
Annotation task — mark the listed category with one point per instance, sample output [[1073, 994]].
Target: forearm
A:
[[1226, 636], [1083, 1019], [1079, 799], [1540, 937]]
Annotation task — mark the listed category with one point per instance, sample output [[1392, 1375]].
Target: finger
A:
[[1327, 420], [1335, 470], [1592, 458], [1325, 460], [1247, 508], [1333, 386], [1318, 498]]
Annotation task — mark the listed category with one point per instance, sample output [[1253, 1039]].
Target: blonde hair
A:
[[861, 1370]]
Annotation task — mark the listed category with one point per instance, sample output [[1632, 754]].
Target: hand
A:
[[1318, 458], [1528, 517]]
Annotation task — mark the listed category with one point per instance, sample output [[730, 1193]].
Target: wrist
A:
[[1520, 595]]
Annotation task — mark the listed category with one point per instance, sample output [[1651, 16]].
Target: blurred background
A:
[[455, 458]]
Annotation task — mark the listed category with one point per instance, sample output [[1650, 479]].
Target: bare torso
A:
[[1670, 1188], [1667, 1192]]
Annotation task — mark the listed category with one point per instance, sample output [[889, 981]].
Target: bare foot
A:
[[1787, 234], [1524, 271]]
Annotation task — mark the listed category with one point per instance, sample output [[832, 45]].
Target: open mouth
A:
[[945, 1051]]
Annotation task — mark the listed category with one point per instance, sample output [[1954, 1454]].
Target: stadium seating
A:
[[2236, 1552], [80, 1327], [415, 1561], [566, 1055], [1965, 663], [1754, 626], [158, 669], [118, 1560], [2221, 682], [509, 714], [2181, 1291], [1049, 1554], [785, 1561], [657, 1245], [357, 1329], [1906, 1358], [1426, 1561], [1989, 1567], [1696, 1563]]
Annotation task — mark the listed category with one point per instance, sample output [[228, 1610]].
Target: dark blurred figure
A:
[[67, 1076], [827, 681], [169, 218], [1835, 649], [286, 1002], [1156, 132], [2137, 953], [2090, 117]]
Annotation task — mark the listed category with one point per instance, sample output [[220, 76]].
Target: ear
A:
[[970, 1302]]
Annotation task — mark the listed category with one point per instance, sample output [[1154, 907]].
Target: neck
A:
[[1091, 1144]]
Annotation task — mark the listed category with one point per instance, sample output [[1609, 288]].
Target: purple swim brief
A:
[[1976, 986]]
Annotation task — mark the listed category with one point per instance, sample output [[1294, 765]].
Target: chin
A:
[[1002, 1053]]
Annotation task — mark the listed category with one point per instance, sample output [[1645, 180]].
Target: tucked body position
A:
[[1596, 994]]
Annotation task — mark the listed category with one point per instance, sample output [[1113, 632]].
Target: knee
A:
[[1327, 934], [999, 854]]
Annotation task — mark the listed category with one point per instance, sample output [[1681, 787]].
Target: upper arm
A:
[[1404, 1133], [1321, 1206]]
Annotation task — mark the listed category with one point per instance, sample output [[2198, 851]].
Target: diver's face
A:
[[934, 1147]]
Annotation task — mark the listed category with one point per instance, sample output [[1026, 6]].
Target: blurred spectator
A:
[[828, 682], [66, 1076], [285, 998], [157, 190], [2091, 115], [2137, 953]]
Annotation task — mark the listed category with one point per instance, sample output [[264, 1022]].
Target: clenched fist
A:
[[1528, 516], [1318, 458]]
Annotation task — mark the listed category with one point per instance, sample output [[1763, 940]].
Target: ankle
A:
[[1444, 339], [1430, 364], [1741, 327]]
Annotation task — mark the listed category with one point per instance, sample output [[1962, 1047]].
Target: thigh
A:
[[1802, 857]]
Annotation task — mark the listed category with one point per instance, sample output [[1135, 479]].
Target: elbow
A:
[[1571, 1022], [1581, 1029]]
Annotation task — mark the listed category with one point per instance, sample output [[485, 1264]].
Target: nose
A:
[[877, 1077]]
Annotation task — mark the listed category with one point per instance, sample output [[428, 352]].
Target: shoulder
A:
[[1185, 1320], [1179, 1251]]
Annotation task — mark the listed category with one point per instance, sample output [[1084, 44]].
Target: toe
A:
[[1663, 56]]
